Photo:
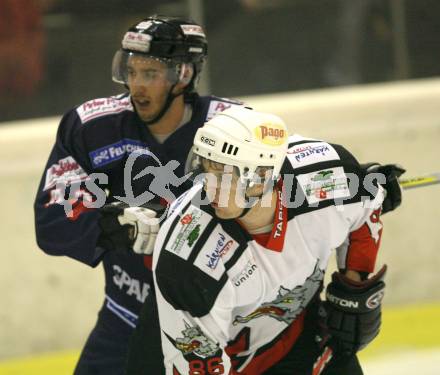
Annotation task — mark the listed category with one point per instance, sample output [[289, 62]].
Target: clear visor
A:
[[200, 167], [130, 68]]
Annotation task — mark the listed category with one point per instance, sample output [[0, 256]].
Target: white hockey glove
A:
[[145, 228], [125, 228]]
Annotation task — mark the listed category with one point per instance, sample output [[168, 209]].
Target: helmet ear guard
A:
[[186, 73]]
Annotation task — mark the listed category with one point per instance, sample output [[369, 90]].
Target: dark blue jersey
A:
[[98, 137]]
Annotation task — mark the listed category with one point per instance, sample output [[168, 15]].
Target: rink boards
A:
[[398, 122]]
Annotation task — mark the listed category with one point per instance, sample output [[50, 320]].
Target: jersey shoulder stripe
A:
[[102, 107]]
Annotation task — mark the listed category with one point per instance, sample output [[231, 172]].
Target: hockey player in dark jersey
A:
[[239, 262], [160, 61]]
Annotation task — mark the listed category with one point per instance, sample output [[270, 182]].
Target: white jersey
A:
[[231, 304]]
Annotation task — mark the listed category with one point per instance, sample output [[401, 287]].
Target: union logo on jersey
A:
[[289, 303]]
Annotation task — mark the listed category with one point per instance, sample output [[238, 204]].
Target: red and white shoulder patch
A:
[[103, 107]]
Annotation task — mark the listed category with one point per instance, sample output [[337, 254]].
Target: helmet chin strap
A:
[[247, 209], [171, 96], [166, 106]]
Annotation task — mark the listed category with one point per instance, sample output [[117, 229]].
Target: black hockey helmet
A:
[[178, 42]]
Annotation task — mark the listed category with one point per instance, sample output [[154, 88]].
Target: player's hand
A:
[[352, 311], [392, 172], [125, 228]]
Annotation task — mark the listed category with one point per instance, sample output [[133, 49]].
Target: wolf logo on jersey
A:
[[289, 303], [194, 341], [198, 350]]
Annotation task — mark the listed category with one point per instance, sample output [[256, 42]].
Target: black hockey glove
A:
[[125, 228], [352, 311], [394, 192]]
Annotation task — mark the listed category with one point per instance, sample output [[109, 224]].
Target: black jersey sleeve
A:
[[185, 286], [63, 223]]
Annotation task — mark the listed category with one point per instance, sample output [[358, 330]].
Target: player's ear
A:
[[185, 77]]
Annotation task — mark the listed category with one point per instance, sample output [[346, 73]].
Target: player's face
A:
[[223, 189], [148, 82]]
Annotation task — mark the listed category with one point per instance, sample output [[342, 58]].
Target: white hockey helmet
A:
[[243, 138]]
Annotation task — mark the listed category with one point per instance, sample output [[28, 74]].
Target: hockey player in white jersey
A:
[[239, 263]]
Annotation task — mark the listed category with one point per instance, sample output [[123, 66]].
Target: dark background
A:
[[55, 54]]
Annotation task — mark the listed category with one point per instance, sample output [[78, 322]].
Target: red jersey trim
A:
[[276, 239], [277, 351], [363, 247], [262, 238], [148, 262]]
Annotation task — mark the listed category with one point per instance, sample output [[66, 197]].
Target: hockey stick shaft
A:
[[415, 182], [322, 361]]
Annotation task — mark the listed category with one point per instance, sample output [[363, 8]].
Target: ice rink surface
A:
[[425, 362]]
